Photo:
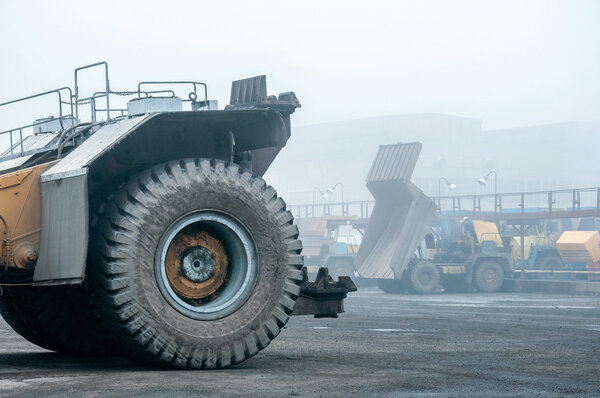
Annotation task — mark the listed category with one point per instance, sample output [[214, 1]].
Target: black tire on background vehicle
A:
[[197, 264], [551, 262], [339, 267], [489, 277], [57, 318], [391, 286], [424, 277]]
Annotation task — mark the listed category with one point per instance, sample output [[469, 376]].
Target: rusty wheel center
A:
[[196, 264], [206, 265]]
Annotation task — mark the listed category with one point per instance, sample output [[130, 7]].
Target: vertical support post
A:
[[522, 202], [108, 92], [21, 139], [93, 108], [522, 233], [550, 201]]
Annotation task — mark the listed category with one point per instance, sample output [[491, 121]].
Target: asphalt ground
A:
[[456, 345]]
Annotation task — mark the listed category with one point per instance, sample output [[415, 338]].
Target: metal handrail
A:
[[56, 90], [575, 204], [74, 101], [100, 94], [106, 84], [60, 118], [549, 202], [362, 207], [192, 95]]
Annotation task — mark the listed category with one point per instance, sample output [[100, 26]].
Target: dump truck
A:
[[400, 220], [148, 229], [332, 242], [471, 253], [402, 250]]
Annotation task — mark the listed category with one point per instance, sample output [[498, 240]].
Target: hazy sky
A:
[[509, 63]]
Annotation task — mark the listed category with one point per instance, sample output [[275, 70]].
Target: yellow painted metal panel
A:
[[487, 230], [452, 269], [579, 246]]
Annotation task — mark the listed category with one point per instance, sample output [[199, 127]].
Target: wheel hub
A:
[[425, 278], [490, 276], [196, 264], [206, 265]]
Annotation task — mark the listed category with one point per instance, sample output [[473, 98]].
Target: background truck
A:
[[332, 242], [471, 253], [558, 248], [400, 220], [148, 228], [402, 251]]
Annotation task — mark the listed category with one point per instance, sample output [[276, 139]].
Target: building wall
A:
[[526, 159]]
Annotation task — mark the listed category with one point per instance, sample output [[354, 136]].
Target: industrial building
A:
[[534, 158]]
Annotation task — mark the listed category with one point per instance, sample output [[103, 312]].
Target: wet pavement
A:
[[496, 345]]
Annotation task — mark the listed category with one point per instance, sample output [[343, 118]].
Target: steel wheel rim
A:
[[425, 277], [241, 263], [490, 276]]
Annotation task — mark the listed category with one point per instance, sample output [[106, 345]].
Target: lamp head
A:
[[452, 186], [482, 181]]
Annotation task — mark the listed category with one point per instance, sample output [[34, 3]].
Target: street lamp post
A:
[[448, 184], [313, 197], [332, 188], [483, 181]]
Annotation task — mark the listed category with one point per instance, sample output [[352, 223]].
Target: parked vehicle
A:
[[149, 228]]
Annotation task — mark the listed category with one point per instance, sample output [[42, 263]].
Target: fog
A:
[[503, 65], [470, 266], [507, 63]]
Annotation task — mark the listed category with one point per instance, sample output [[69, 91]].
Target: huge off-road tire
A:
[[197, 264], [551, 262], [424, 278], [391, 286], [57, 318], [489, 276]]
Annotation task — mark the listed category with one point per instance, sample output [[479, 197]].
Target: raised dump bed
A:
[[401, 217]]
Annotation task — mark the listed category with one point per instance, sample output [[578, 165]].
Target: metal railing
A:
[[564, 203], [579, 202], [72, 99], [362, 209], [61, 117], [192, 95]]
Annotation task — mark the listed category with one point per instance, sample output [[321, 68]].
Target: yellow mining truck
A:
[[400, 251], [471, 253], [330, 241], [147, 229]]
